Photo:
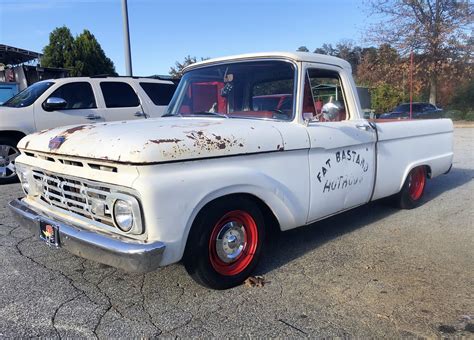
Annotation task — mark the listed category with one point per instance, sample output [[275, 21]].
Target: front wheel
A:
[[413, 189], [8, 153], [225, 243]]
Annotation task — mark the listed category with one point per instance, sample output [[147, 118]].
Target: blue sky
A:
[[163, 31]]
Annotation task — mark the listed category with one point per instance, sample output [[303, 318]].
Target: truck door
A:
[[81, 107], [342, 151]]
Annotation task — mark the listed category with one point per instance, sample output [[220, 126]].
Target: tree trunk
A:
[[433, 87]]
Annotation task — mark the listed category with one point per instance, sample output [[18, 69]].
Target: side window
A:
[[160, 94], [324, 96], [119, 94], [77, 95]]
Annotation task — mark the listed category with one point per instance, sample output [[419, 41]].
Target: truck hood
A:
[[158, 140]]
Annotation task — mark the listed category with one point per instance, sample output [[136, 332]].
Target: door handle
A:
[[93, 117], [364, 127], [140, 114]]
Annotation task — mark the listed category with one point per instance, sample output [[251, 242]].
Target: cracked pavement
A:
[[374, 271]]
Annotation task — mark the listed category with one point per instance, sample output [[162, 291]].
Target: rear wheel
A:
[[413, 189], [225, 243], [8, 153]]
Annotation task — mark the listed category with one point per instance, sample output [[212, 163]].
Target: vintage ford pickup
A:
[[249, 143]]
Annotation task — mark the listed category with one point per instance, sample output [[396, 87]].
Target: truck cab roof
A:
[[295, 56]]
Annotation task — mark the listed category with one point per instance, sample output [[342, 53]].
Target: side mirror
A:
[[331, 111], [54, 103]]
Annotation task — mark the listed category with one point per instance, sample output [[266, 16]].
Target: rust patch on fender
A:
[[44, 131], [169, 140], [201, 140], [75, 129]]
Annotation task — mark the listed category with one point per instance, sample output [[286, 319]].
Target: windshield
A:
[[28, 95], [256, 89]]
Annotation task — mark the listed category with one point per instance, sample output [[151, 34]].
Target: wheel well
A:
[[271, 222], [428, 171], [16, 135]]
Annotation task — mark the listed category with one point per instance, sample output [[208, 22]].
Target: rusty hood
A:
[[158, 140]]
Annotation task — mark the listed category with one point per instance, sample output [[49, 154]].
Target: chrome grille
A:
[[82, 197]]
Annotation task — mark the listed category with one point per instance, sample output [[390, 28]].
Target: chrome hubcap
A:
[[230, 241], [7, 156]]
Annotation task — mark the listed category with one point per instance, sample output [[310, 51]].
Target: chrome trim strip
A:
[[113, 250]]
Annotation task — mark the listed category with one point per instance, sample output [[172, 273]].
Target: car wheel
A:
[[413, 189], [8, 153], [225, 243]]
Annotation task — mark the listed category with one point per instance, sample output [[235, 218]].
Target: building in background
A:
[[20, 68]]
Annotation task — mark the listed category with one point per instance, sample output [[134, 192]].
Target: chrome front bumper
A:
[[115, 251]]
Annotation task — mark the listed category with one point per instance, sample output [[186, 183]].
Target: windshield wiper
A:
[[210, 114], [199, 113]]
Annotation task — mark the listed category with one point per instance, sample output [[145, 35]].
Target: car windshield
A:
[[254, 89], [28, 95]]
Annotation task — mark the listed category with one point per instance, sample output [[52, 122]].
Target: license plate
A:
[[49, 233]]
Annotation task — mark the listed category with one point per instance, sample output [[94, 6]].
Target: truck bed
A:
[[405, 144]]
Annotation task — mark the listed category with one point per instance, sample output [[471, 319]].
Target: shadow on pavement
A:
[[292, 244]]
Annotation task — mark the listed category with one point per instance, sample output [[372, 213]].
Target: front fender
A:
[[174, 194]]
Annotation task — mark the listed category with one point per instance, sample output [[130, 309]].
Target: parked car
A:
[[210, 179], [419, 111], [52, 103]]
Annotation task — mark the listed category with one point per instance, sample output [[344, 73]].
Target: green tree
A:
[[385, 97], [433, 29], [302, 49], [82, 55], [90, 58], [344, 49], [60, 50], [177, 70]]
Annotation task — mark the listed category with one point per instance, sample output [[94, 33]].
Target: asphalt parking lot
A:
[[371, 272]]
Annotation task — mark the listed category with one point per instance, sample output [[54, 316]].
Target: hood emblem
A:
[[56, 142]]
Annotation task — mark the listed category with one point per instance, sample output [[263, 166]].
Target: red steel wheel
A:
[[411, 194], [233, 242], [225, 242], [416, 183]]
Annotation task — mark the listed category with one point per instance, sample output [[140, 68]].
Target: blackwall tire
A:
[[411, 195], [225, 243]]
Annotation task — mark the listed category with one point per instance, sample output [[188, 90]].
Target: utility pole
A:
[[411, 84], [126, 40]]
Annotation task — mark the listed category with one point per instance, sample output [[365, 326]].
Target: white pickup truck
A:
[[78, 100], [249, 143]]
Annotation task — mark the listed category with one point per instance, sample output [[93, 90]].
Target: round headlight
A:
[[123, 215]]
